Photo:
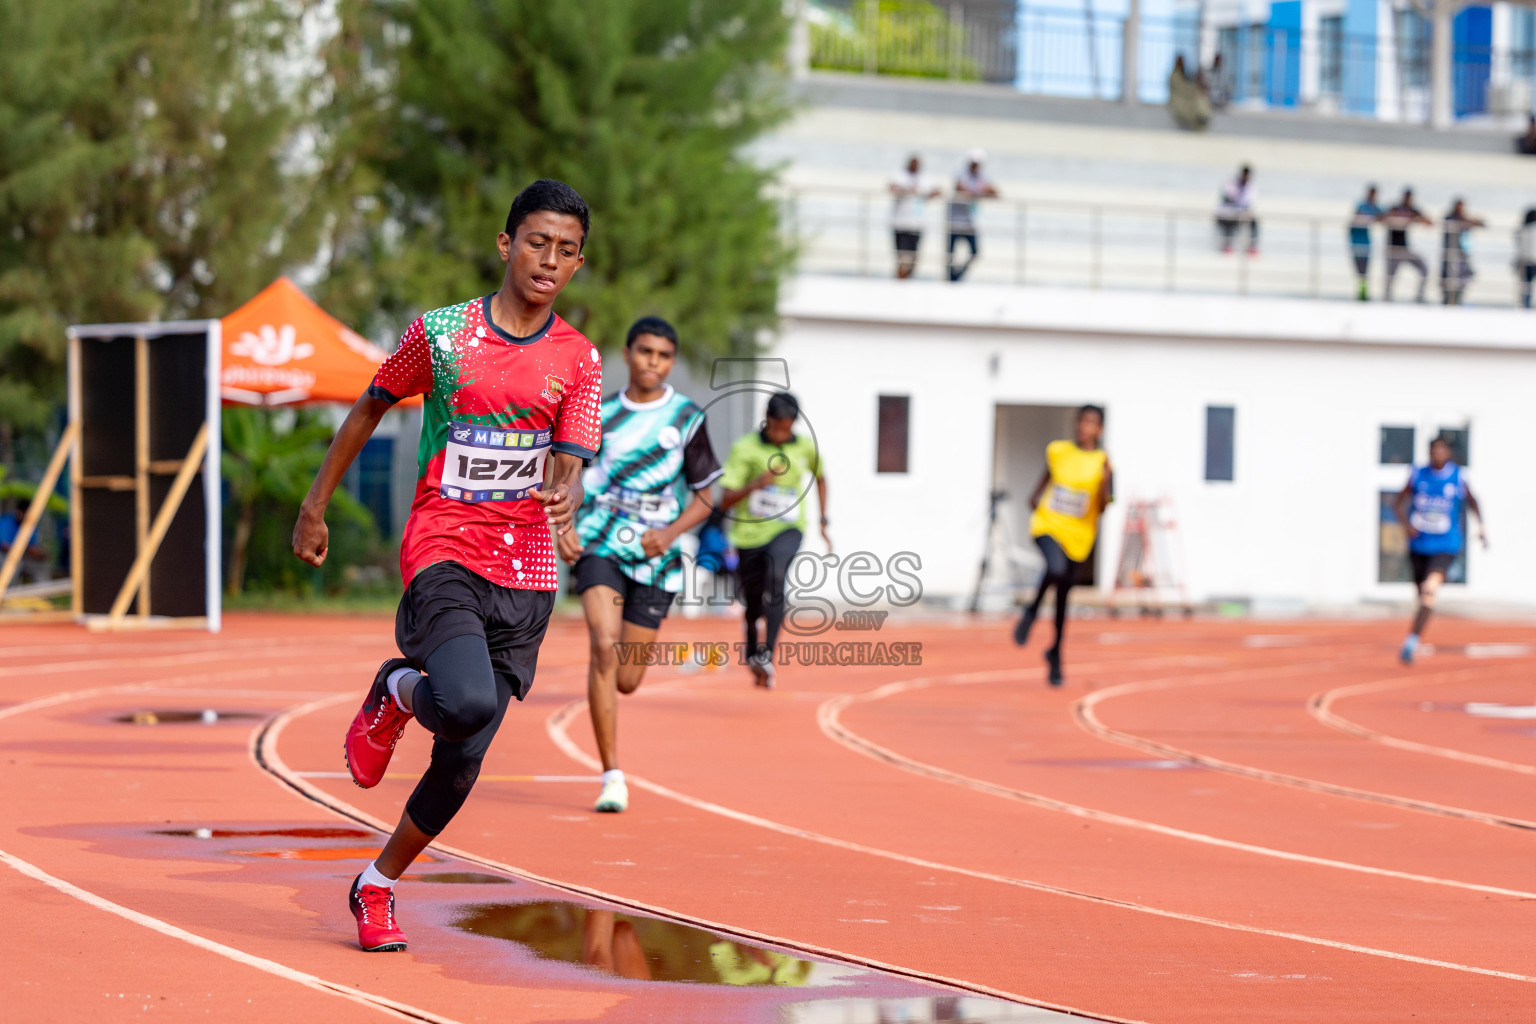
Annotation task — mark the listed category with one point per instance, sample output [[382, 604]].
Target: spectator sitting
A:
[[1455, 253], [1525, 256], [1399, 219], [970, 185], [1527, 143], [1187, 99], [1236, 208]]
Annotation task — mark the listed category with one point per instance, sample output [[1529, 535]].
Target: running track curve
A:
[[1211, 821]]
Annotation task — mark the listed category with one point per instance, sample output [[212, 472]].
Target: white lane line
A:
[[478, 779], [555, 725], [1084, 711], [828, 717], [1320, 706], [263, 751], [400, 1011]]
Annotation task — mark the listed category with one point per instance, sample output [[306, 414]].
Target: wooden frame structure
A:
[[182, 359]]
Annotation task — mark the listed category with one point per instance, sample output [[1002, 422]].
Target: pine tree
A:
[[644, 106], [160, 159]]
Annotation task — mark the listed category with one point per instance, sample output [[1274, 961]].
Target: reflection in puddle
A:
[[641, 948], [286, 833], [458, 878], [937, 1010], [160, 716]]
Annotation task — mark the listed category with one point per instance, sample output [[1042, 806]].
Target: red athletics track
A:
[[1212, 821]]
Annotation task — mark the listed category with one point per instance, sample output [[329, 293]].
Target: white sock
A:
[[393, 682], [373, 876], [613, 775]]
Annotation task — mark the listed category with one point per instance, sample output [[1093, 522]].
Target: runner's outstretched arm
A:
[[821, 502], [1400, 507], [1477, 510], [659, 542], [311, 537]]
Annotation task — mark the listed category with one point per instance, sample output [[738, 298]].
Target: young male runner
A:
[[510, 419], [769, 469], [624, 547], [1436, 493], [1066, 524]]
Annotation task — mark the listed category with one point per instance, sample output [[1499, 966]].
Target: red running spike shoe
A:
[[376, 729], [374, 908]]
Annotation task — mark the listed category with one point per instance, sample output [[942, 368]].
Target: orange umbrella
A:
[[282, 349]]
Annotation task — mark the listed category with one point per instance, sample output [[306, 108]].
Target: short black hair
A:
[[553, 196], [651, 325], [783, 406], [1084, 410], [1441, 439]]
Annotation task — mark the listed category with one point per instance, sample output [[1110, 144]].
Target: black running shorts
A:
[[644, 605], [447, 600], [1423, 565], [906, 241]]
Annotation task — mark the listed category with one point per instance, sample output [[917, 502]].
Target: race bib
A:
[[1068, 502], [772, 502], [482, 464], [654, 511], [1426, 521]]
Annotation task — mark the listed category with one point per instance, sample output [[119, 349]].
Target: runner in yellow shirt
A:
[[1078, 483]]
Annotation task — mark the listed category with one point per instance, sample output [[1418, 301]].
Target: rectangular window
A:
[[1397, 446], [1220, 437], [1461, 445], [1330, 70], [891, 449], [1413, 45]]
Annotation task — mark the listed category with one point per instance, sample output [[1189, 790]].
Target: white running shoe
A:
[[614, 797]]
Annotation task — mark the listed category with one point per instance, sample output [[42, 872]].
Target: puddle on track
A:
[[285, 833], [182, 716]]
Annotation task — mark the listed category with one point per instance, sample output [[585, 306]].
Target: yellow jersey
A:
[[1069, 509]]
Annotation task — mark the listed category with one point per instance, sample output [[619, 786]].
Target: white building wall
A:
[[1312, 384]]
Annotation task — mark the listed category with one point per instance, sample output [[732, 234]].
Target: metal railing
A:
[[1057, 51], [1127, 246]]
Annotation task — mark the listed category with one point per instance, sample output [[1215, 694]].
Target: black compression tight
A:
[[762, 572], [1060, 573], [461, 700]]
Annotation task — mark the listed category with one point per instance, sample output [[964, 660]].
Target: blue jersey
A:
[[654, 454], [1436, 510]]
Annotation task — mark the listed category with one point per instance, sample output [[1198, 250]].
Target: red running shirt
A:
[[496, 408]]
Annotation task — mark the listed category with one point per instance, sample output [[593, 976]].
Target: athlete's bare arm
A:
[[1107, 486], [659, 542], [730, 498], [311, 537], [1400, 508], [561, 494], [1477, 510], [821, 502], [1039, 491]]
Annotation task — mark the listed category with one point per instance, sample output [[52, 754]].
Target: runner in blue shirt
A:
[[1430, 507]]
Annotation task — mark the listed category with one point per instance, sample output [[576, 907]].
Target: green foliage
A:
[[159, 159], [915, 39], [644, 106], [269, 459]]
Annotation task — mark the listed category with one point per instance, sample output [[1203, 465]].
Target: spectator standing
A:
[[1188, 101], [1217, 87], [911, 187], [1366, 214], [970, 185], [1456, 253], [1525, 256], [1527, 143], [1236, 208], [1399, 219]]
